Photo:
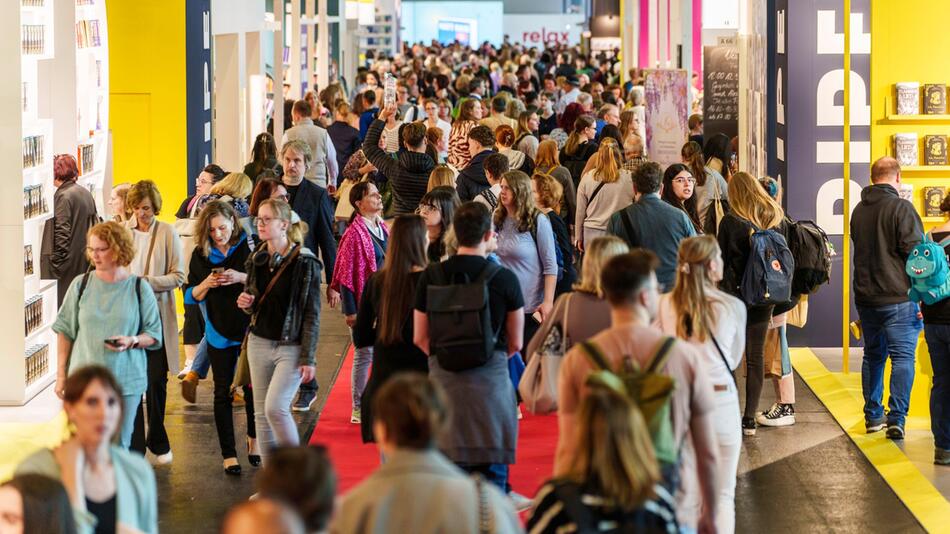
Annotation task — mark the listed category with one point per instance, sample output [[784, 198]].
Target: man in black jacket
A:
[[312, 204], [408, 174], [884, 229], [471, 181], [74, 213]]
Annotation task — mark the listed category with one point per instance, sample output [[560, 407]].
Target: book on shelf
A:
[[85, 156], [33, 314], [33, 151], [33, 38], [28, 260], [87, 33], [34, 203], [935, 99], [905, 149], [37, 362], [935, 149], [34, 3], [906, 192], [933, 198], [908, 98]]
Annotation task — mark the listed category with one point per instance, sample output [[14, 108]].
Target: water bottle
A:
[[389, 93]]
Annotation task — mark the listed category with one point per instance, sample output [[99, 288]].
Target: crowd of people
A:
[[499, 209]]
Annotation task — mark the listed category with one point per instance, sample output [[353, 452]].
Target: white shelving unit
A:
[[380, 36], [57, 92]]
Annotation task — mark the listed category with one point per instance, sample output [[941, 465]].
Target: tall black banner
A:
[[809, 117], [198, 81], [720, 91]]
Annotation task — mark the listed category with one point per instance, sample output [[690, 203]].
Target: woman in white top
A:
[[604, 190], [433, 121], [714, 322]]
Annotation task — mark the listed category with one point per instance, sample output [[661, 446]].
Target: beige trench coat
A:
[[166, 273]]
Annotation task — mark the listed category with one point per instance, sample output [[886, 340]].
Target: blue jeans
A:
[[497, 474], [938, 343], [890, 330], [202, 361]]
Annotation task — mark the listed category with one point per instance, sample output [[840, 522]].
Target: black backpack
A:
[[460, 331], [812, 252]]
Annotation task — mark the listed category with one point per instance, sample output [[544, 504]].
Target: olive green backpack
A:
[[649, 390]]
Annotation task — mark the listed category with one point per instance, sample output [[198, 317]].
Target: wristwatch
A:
[[135, 342]]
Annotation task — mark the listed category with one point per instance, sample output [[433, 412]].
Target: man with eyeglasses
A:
[[653, 224], [312, 203], [208, 176]]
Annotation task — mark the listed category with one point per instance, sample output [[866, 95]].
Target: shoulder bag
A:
[[242, 373], [538, 385]]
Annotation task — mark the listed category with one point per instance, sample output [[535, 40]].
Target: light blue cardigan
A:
[[136, 494]]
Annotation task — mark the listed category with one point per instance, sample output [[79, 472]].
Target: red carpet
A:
[[353, 460]]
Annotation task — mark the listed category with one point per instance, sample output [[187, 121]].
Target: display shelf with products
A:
[[92, 96]]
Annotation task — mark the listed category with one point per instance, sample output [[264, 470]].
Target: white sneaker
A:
[[519, 501], [163, 459], [778, 415], [185, 369]]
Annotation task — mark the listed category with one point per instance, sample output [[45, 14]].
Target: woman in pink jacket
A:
[[361, 252]]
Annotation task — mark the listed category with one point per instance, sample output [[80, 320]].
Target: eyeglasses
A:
[[199, 181], [683, 180], [264, 221], [425, 208], [91, 250]]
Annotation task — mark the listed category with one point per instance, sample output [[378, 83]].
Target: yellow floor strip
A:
[[836, 392]]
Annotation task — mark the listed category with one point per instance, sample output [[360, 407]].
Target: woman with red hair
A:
[[74, 213]]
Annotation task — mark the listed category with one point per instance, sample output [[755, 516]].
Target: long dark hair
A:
[[46, 506], [406, 250], [446, 200], [264, 148], [689, 205], [720, 147], [692, 155]]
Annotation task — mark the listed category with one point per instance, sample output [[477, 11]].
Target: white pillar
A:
[[323, 44], [293, 76], [629, 33], [278, 70], [308, 62]]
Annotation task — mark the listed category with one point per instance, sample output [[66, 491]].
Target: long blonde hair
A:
[[441, 175], [748, 200], [596, 254], [526, 213], [614, 450], [693, 307], [606, 162], [235, 185]]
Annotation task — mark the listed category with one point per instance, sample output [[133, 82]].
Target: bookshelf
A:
[[55, 99], [380, 36]]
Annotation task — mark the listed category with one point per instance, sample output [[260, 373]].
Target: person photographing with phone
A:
[[216, 277], [95, 326]]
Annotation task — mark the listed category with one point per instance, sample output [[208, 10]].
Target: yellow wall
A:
[[147, 84], [909, 40]]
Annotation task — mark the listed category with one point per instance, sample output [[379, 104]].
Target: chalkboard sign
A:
[[720, 91]]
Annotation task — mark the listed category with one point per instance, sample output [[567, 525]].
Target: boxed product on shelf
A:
[[908, 98], [28, 260], [935, 99], [33, 318], [933, 197], [37, 3], [905, 149], [87, 33], [85, 154], [37, 362], [33, 151], [906, 192], [34, 203], [935, 149], [33, 38]]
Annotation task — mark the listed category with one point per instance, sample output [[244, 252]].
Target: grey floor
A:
[[808, 477]]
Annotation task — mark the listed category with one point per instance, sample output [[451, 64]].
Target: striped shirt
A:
[[552, 515]]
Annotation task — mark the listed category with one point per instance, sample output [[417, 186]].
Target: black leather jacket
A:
[[302, 323]]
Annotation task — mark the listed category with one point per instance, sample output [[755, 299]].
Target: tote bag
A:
[[538, 385]]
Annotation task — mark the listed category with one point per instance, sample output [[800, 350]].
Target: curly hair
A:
[[146, 189], [117, 237], [482, 135], [525, 212]]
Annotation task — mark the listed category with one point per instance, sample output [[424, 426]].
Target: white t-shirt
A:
[[140, 240]]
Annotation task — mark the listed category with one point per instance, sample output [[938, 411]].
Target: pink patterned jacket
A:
[[355, 258]]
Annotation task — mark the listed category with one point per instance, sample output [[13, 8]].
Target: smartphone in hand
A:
[[112, 341]]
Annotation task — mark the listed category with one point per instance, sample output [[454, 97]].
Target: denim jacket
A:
[[302, 323]]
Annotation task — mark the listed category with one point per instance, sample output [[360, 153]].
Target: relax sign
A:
[[543, 30]]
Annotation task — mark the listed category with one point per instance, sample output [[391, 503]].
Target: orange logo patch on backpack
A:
[[776, 266]]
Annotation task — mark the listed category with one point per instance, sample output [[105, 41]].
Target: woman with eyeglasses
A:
[[603, 191], [215, 278], [678, 187], [437, 209], [282, 296], [433, 121], [109, 318], [361, 253]]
